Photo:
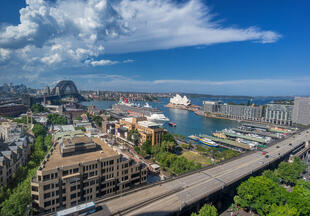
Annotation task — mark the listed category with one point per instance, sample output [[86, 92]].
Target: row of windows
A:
[[50, 186], [48, 176], [89, 167], [70, 171]]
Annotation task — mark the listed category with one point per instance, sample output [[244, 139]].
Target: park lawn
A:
[[198, 158]]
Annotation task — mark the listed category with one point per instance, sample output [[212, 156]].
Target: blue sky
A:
[[240, 47]]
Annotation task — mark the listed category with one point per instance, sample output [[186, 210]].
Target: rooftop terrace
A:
[[56, 160]]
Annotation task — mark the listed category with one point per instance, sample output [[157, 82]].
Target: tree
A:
[[300, 199], [133, 136], [259, 193], [206, 210], [96, 119], [80, 128], [290, 172], [56, 119], [147, 147], [37, 108], [38, 130], [283, 210], [271, 175], [168, 137]]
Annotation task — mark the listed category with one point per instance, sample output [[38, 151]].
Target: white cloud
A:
[[102, 62], [4, 54], [68, 33], [51, 59], [128, 61]]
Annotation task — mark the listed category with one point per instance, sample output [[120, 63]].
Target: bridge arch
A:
[[65, 87]]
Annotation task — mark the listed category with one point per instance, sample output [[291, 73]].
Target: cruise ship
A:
[[152, 114], [208, 142]]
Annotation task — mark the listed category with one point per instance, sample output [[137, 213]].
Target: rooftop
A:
[[56, 160]]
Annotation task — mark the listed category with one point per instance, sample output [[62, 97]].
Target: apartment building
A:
[[148, 130], [301, 110], [241, 112], [278, 114], [14, 150], [79, 169]]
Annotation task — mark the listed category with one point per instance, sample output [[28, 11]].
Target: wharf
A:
[[226, 143], [261, 133], [255, 139], [259, 126]]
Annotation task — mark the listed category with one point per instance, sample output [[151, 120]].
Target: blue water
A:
[[187, 122]]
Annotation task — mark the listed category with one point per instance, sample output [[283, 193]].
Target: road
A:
[[171, 196]]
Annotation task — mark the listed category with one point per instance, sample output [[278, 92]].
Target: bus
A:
[[81, 209]]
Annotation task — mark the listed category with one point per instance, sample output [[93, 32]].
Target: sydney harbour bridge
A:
[[63, 89]]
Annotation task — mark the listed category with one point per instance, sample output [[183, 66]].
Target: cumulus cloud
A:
[[102, 62], [60, 34]]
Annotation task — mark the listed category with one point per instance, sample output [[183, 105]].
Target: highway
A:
[[173, 195]]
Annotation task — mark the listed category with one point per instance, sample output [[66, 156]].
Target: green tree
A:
[[96, 119], [206, 210], [147, 147], [283, 210], [48, 141], [56, 119], [290, 172], [80, 128], [133, 136], [271, 175], [259, 194], [37, 108], [300, 199], [168, 137], [38, 130]]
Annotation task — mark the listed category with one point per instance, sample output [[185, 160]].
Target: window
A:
[[75, 170], [33, 188], [92, 182], [46, 204], [46, 187], [47, 195], [65, 172], [73, 196], [46, 177], [73, 188], [35, 197]]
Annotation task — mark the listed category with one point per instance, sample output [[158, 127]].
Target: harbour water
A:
[[187, 122]]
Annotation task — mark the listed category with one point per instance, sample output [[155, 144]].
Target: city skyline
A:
[[213, 47]]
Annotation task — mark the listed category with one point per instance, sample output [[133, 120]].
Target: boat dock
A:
[[261, 133], [226, 143], [255, 139]]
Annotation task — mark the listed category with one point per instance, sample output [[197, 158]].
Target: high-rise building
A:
[[301, 110], [47, 91], [211, 106], [278, 114], [80, 169]]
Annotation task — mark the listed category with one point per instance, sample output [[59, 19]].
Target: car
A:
[[263, 153], [266, 156], [277, 146], [290, 144]]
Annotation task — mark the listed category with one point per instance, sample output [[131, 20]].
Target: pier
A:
[[255, 139], [261, 133], [226, 143]]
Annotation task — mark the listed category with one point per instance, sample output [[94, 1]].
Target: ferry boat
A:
[[172, 124], [208, 142], [193, 137], [158, 118]]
